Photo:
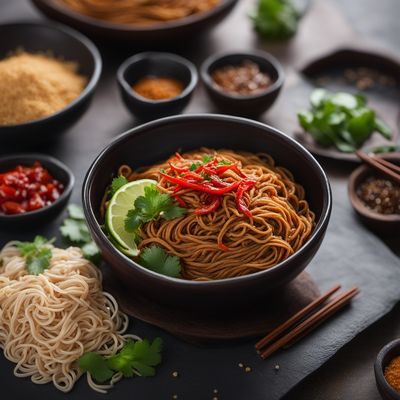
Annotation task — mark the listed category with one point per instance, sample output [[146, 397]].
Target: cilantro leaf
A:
[[117, 183], [207, 158], [97, 366], [150, 206], [157, 259], [75, 232], [37, 254], [195, 165], [223, 162], [76, 212]]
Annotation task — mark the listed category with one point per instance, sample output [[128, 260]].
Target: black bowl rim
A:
[[161, 27], [356, 202], [57, 164], [276, 65], [142, 129], [159, 57], [92, 80], [378, 367]]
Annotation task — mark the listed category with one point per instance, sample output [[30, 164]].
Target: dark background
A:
[[349, 374]]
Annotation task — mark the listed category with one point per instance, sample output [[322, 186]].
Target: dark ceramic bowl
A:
[[387, 353], [156, 64], [173, 32], [384, 225], [62, 42], [156, 141], [46, 214], [252, 105]]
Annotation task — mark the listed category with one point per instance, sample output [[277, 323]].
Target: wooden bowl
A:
[[384, 225]]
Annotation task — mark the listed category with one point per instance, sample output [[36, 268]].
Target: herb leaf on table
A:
[[341, 119], [158, 260]]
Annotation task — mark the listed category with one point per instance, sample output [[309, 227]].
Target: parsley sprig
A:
[[135, 358], [151, 206], [37, 254], [75, 232], [157, 259]]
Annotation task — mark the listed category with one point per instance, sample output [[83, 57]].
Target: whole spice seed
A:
[[244, 79], [154, 88], [380, 195], [392, 373]]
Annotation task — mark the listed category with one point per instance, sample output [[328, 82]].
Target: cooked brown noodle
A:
[[48, 321], [282, 221], [140, 12]]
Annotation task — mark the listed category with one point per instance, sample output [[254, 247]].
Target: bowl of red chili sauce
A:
[[34, 189]]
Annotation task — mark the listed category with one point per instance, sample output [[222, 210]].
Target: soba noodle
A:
[[281, 221], [140, 12], [48, 321]]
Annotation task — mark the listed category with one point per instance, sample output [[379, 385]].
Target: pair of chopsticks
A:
[[304, 321], [385, 167]]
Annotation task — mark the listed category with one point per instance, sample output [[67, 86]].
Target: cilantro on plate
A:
[[37, 254], [135, 358], [341, 119]]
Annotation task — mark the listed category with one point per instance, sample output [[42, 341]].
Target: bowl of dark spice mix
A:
[[376, 198]]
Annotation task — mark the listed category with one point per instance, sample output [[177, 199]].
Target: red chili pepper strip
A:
[[223, 247], [179, 200], [240, 203], [201, 188], [207, 209], [178, 156], [180, 170], [216, 181], [193, 175]]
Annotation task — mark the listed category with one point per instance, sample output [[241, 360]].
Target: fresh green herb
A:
[[37, 254], [117, 184], [158, 260], [76, 232], [276, 19], [150, 206], [341, 119], [223, 162], [195, 165], [135, 358], [206, 177], [207, 158], [390, 148]]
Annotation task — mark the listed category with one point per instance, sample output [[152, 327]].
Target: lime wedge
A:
[[118, 208]]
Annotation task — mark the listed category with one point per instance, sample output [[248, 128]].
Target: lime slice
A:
[[118, 208]]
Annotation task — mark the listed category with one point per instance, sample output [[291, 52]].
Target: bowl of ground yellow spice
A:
[[48, 74], [387, 371], [155, 85]]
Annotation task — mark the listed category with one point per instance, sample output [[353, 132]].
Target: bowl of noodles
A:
[[141, 22], [217, 211]]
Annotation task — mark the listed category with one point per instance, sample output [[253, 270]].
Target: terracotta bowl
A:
[[384, 357], [156, 141], [384, 225]]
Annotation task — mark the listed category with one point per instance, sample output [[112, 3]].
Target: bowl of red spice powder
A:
[[387, 371], [375, 198], [154, 84]]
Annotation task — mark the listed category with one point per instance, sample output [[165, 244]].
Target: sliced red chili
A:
[[240, 202], [179, 200], [223, 247], [209, 208]]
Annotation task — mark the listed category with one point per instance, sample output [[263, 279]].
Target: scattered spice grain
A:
[[34, 86], [247, 369], [175, 374], [392, 373], [154, 88]]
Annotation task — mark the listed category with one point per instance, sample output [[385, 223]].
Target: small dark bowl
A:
[[383, 225], [154, 35], [252, 105], [160, 65], [156, 141], [387, 353], [62, 42], [46, 214]]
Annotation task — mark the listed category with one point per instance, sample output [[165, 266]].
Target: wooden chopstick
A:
[[387, 168], [296, 318], [311, 322]]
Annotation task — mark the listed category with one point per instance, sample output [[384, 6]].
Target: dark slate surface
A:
[[349, 255]]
